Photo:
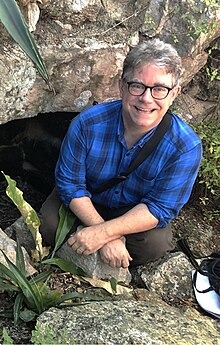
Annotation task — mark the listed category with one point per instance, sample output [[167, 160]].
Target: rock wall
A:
[[83, 44]]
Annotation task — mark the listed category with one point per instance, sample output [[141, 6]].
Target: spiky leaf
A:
[[65, 266], [14, 22], [67, 219]]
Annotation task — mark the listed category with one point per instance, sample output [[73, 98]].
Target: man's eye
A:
[[137, 86], [160, 89]]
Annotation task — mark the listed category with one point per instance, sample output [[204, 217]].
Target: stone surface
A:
[[94, 266], [169, 277], [149, 321], [8, 246], [83, 44], [22, 233]]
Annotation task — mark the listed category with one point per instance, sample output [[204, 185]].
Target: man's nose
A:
[[147, 95]]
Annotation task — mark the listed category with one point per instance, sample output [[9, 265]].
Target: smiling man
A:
[[129, 223]]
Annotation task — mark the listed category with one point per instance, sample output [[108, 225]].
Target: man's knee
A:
[[49, 217], [149, 245]]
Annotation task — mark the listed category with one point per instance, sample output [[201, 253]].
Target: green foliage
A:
[[65, 266], [7, 340], [32, 220], [67, 219], [14, 22], [213, 73], [32, 293], [209, 173], [197, 20], [28, 213], [49, 336], [113, 283]]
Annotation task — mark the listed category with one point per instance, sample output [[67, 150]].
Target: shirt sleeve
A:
[[173, 186], [70, 172]]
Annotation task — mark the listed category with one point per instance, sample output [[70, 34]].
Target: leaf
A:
[[17, 307], [27, 315], [14, 22], [107, 286], [49, 298], [84, 296], [30, 295], [64, 265], [9, 287], [7, 340], [67, 219], [41, 277], [7, 313], [20, 258], [6, 271], [27, 212]]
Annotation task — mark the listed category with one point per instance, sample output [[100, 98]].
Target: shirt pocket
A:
[[138, 186]]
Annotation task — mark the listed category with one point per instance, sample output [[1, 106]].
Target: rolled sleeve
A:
[[173, 186], [70, 169]]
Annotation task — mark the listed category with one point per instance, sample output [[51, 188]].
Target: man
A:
[[128, 223]]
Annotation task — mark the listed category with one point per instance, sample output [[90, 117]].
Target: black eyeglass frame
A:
[[149, 87]]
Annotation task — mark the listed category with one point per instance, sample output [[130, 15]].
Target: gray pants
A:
[[143, 247]]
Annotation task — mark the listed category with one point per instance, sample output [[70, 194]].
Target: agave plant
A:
[[32, 293], [14, 22]]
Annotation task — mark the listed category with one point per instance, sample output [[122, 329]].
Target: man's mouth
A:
[[145, 110]]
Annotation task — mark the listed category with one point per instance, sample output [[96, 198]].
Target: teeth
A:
[[144, 109]]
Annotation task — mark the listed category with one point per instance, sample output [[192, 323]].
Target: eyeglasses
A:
[[157, 92]]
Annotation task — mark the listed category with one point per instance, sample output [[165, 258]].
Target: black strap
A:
[[184, 247], [146, 150]]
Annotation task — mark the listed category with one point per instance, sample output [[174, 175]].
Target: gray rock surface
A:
[[8, 246], [94, 266], [148, 321], [169, 277], [83, 44]]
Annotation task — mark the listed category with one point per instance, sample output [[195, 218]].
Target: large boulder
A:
[[147, 320], [83, 44]]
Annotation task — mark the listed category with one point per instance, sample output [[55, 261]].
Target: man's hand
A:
[[88, 240], [115, 254]]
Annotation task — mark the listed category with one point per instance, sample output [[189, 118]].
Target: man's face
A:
[[145, 112]]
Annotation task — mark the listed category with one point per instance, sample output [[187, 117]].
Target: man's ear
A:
[[176, 91]]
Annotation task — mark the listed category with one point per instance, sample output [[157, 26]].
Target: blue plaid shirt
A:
[[94, 151]]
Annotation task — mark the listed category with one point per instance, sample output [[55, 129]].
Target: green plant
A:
[[7, 340], [209, 173], [14, 22], [49, 336], [213, 73], [32, 293], [28, 213]]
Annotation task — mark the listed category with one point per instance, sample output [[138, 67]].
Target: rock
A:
[[149, 321], [22, 233], [169, 277], [83, 44], [94, 266], [8, 246]]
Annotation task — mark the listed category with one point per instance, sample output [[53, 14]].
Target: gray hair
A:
[[154, 52]]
